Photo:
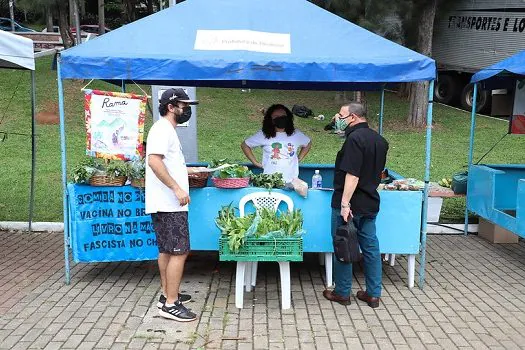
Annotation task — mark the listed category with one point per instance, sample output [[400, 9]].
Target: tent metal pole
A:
[[33, 150], [422, 261], [471, 147], [64, 171], [381, 111], [123, 86]]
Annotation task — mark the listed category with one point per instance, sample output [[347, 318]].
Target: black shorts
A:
[[171, 229]]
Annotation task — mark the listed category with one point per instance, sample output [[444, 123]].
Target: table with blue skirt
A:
[[110, 224]]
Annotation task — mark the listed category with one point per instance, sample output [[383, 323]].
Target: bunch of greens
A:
[[137, 169], [83, 171], [89, 166], [265, 222], [115, 167], [233, 171], [268, 181], [235, 228], [286, 224]]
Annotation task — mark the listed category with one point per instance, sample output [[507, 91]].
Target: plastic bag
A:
[[301, 111], [300, 187], [459, 182], [346, 244]]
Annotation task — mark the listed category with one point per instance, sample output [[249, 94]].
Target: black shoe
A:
[[183, 298], [177, 312]]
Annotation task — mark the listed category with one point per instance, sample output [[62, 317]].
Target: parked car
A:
[[5, 24], [89, 28]]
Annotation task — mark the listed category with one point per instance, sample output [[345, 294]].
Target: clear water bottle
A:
[[317, 180]]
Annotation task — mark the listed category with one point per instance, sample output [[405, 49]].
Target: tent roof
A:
[[16, 51], [258, 43], [511, 67]]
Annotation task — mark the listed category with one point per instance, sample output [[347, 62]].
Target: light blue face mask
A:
[[340, 124]]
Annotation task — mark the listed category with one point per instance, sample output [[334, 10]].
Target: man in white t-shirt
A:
[[167, 199]]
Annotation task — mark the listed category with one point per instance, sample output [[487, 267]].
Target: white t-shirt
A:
[[280, 152], [163, 140]]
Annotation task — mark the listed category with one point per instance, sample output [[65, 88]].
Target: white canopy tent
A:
[[16, 52]]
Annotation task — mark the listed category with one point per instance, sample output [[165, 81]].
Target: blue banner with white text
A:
[[110, 224]]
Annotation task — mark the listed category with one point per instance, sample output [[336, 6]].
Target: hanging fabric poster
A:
[[114, 124]]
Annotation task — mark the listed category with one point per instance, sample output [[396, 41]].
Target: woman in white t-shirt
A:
[[283, 145]]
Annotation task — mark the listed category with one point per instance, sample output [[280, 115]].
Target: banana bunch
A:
[[444, 182]]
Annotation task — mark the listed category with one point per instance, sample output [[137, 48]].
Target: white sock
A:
[[169, 305]]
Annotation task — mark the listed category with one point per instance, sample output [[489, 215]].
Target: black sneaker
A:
[[183, 298], [177, 312]]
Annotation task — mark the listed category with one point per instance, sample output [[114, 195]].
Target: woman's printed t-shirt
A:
[[280, 152]]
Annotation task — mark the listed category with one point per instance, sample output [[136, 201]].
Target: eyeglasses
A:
[[341, 116]]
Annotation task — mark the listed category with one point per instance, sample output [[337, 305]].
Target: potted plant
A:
[[98, 172]]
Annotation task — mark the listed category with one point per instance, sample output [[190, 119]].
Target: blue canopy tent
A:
[[497, 192], [266, 44]]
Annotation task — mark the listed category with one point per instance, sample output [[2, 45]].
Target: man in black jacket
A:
[[358, 169]]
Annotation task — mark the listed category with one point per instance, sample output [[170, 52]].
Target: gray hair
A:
[[356, 108]]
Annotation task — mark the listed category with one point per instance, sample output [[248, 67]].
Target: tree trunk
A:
[[360, 96], [101, 18], [419, 91], [404, 91], [63, 23], [129, 6], [341, 97], [149, 5], [82, 5], [49, 19], [71, 13]]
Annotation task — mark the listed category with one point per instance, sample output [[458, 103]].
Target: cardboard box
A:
[[494, 233]]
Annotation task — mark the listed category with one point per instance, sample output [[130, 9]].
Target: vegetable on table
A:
[[268, 181]]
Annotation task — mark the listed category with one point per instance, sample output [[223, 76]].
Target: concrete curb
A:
[[36, 226], [448, 229]]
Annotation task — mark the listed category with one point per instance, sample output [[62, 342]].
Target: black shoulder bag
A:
[[346, 245]]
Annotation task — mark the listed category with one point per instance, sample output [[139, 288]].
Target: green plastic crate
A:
[[263, 249]]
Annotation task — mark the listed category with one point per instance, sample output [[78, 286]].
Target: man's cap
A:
[[174, 95]]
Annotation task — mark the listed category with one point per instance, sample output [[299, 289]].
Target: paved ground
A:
[[474, 298]]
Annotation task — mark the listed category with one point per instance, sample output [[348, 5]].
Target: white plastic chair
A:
[[246, 272]]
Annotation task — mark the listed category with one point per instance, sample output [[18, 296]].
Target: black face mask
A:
[[185, 116], [280, 122]]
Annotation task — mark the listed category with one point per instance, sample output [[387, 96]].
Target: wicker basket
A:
[[103, 180], [139, 183], [240, 182], [198, 180]]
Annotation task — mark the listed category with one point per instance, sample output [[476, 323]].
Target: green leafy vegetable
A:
[[268, 181], [278, 224]]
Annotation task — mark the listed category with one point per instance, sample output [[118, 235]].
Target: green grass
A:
[[226, 117]]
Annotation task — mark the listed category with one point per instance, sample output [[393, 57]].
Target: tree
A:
[[101, 18], [54, 8], [419, 91]]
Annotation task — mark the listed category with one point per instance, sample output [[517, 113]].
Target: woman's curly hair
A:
[[268, 128]]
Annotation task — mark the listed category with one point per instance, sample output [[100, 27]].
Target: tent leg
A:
[[64, 172], [381, 111], [471, 147], [425, 192], [33, 150], [123, 86]]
